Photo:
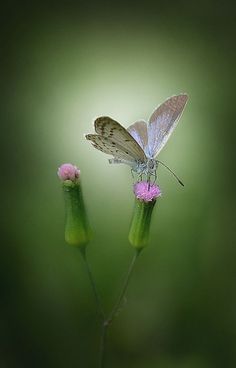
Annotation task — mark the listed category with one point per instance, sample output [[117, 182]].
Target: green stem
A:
[[124, 288], [102, 344], [93, 284], [109, 320]]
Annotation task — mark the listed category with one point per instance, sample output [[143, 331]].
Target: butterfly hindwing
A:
[[138, 131]]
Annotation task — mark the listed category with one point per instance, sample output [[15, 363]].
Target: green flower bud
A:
[[145, 200], [77, 229]]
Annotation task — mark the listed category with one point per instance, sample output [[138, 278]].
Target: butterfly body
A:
[[138, 145], [147, 168]]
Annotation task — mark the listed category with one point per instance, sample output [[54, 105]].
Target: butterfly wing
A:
[[111, 129], [112, 138], [138, 131], [163, 121], [110, 147]]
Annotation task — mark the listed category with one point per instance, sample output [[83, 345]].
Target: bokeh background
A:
[[62, 66]]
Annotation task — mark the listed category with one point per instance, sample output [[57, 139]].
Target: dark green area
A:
[[61, 67]]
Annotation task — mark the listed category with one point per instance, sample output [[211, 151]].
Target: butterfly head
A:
[[151, 166]]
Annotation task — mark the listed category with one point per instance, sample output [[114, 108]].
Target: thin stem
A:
[[124, 288], [102, 344], [115, 309], [93, 284]]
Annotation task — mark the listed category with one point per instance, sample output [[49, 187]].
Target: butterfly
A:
[[139, 144]]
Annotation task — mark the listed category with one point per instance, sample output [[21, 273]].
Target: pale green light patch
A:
[[81, 76]]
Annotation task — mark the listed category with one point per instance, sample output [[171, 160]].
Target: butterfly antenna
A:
[[176, 177]]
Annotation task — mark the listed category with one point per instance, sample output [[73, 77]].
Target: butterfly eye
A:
[[151, 164]]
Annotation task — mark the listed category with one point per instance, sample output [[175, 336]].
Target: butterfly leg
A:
[[133, 177], [155, 177], [139, 177], [149, 181], [132, 173]]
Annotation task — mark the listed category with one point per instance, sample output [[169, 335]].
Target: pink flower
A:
[[68, 172], [146, 191]]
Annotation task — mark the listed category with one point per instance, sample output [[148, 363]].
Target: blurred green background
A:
[[62, 66]]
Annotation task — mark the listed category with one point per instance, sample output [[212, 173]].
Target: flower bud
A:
[[77, 229], [68, 172], [145, 200]]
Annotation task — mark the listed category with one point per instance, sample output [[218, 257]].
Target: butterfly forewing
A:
[[119, 137], [105, 145], [163, 121]]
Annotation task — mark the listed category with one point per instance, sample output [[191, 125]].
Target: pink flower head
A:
[[146, 191], [68, 172]]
